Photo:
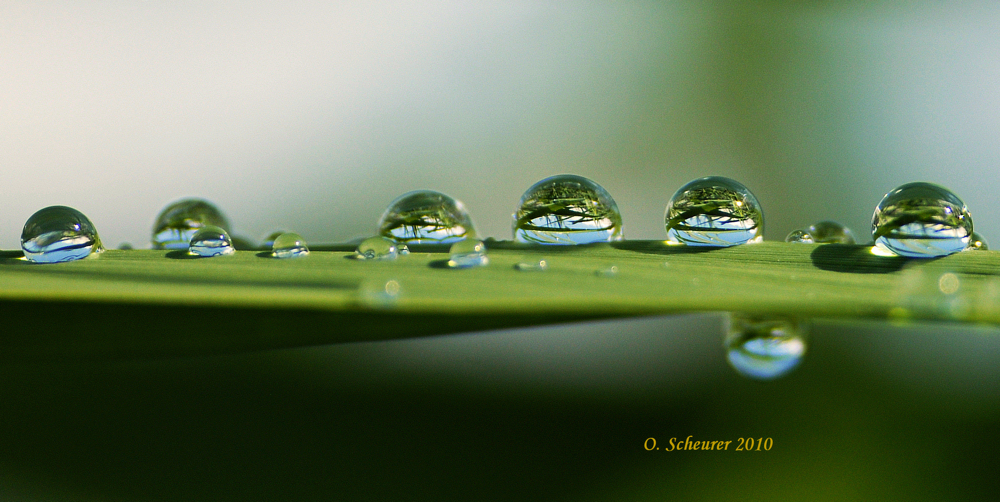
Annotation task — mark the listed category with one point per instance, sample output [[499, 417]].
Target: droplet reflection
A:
[[921, 220], [289, 245], [57, 234], [764, 347], [211, 241], [714, 211], [178, 222], [426, 217], [567, 209], [824, 232], [376, 248], [468, 253]]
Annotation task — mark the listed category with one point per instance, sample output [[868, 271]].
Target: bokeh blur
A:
[[313, 116]]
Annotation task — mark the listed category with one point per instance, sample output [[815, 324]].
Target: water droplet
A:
[[468, 253], [567, 209], [59, 233], [714, 211], [211, 241], [824, 232], [426, 217], [125, 246], [402, 249], [532, 264], [921, 220], [608, 271], [268, 241], [977, 243], [800, 236], [764, 347], [289, 245], [376, 248], [178, 222]]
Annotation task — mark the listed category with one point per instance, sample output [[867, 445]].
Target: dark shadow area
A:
[[854, 259], [11, 255], [439, 264], [265, 254], [108, 331], [457, 418]]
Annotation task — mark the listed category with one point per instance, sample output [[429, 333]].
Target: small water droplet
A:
[[177, 223], [977, 243], [714, 211], [377, 248], [426, 217], [824, 232], [125, 246], [764, 347], [289, 245], [800, 236], [402, 249], [532, 264], [468, 253], [608, 271], [211, 241], [567, 209], [57, 234], [268, 241], [921, 220]]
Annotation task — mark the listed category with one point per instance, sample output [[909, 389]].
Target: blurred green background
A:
[[313, 116]]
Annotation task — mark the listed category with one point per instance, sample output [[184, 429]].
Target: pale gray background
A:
[[313, 116]]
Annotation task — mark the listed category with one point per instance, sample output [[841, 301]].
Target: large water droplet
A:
[[289, 245], [567, 209], [59, 233], [211, 241], [426, 217], [824, 232], [377, 248], [468, 253], [921, 220], [178, 222], [714, 211], [977, 243], [764, 347]]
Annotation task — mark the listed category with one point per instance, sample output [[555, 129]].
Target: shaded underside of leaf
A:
[[149, 303]]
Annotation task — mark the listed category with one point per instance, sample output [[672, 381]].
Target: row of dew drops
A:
[[916, 220]]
